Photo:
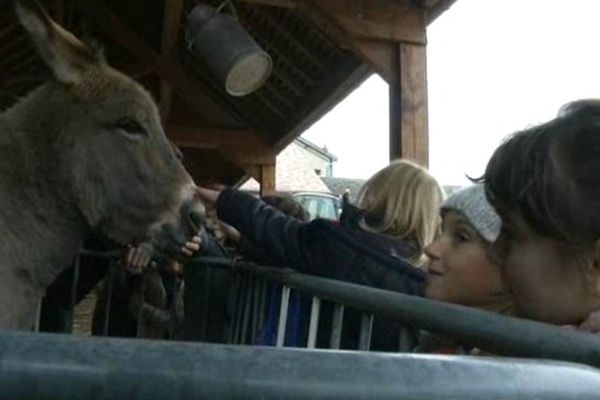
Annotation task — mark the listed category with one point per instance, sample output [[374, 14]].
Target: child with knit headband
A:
[[459, 269]]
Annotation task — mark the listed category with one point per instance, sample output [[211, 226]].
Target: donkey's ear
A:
[[67, 56]]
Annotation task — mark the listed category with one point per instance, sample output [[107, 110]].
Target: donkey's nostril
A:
[[193, 214], [196, 219]]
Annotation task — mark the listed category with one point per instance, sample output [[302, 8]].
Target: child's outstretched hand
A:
[[192, 246], [209, 196], [138, 258]]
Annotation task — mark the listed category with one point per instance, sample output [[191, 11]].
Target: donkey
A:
[[85, 151]]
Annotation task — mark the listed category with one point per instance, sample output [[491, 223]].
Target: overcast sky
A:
[[494, 66]]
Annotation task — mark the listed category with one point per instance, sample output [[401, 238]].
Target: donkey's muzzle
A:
[[171, 236], [193, 216]]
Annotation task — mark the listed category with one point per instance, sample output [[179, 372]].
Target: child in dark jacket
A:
[[401, 204]]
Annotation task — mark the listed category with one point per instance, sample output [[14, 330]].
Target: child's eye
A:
[[461, 237]]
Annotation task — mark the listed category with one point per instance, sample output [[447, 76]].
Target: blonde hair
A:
[[406, 200]]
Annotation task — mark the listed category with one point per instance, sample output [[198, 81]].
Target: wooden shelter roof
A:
[[321, 50]]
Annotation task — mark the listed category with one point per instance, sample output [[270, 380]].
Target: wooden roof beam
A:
[[194, 94], [58, 11], [390, 20], [240, 146], [173, 10], [274, 3], [138, 70], [379, 55]]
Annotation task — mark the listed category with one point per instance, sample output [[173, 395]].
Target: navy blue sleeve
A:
[[211, 247], [319, 247], [273, 231]]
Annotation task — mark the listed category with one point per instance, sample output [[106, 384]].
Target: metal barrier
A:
[[495, 333], [43, 366], [251, 297], [52, 366]]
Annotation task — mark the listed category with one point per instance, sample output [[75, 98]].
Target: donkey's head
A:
[[110, 151]]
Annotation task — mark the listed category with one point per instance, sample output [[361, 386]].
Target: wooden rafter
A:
[[193, 93], [274, 3], [173, 10], [138, 70], [379, 55], [241, 146], [391, 20], [58, 11]]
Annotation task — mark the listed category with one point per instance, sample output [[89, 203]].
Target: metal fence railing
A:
[[494, 333], [50, 366], [42, 366], [268, 312]]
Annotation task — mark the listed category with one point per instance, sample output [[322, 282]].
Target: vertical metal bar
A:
[[366, 330], [247, 309], [233, 301], [262, 308], [109, 289], [313, 328], [405, 342], [336, 326], [255, 309], [74, 291], [205, 306], [140, 328], [239, 310], [174, 303], [38, 315], [283, 313]]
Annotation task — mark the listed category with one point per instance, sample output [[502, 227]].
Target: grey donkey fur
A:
[[85, 151]]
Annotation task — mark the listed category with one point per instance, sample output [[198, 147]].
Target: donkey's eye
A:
[[130, 127]]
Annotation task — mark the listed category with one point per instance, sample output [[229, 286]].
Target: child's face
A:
[[548, 283], [459, 270]]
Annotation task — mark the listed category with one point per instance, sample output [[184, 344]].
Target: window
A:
[[319, 206]]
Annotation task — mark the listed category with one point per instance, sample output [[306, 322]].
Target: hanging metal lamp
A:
[[228, 50]]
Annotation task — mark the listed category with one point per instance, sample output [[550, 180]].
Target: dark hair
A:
[[287, 205], [550, 174]]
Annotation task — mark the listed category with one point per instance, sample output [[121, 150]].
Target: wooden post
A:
[[267, 179], [409, 129]]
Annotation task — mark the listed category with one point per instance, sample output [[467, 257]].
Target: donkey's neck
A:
[[42, 229]]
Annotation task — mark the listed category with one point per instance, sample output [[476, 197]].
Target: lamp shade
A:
[[228, 50]]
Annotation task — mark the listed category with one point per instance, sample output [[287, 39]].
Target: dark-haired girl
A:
[[545, 184]]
